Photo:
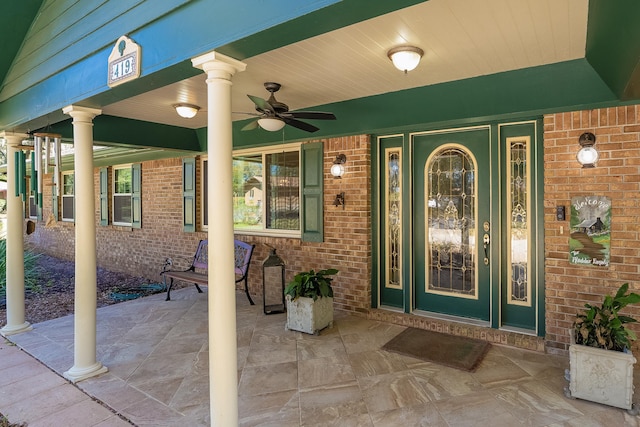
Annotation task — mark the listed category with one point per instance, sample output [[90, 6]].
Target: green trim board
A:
[[118, 131], [612, 45], [566, 86], [18, 18]]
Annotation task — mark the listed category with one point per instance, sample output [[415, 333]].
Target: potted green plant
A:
[[600, 359], [310, 301]]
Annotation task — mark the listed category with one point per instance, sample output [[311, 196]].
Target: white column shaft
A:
[[223, 359], [85, 304], [15, 245]]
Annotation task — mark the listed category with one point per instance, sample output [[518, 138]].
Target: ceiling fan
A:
[[274, 114]]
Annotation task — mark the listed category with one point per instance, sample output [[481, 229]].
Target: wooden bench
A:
[[197, 272]]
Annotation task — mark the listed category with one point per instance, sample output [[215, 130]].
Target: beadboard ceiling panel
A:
[[461, 39]]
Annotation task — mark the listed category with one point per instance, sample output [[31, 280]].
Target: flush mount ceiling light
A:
[[188, 111], [588, 155], [405, 58], [271, 124]]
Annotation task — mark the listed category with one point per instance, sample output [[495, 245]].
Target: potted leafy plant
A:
[[310, 301], [600, 359]]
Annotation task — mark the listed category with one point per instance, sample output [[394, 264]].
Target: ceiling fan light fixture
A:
[[188, 111], [405, 58], [270, 124]]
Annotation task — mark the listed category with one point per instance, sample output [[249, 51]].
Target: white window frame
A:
[[114, 195], [68, 196], [291, 147]]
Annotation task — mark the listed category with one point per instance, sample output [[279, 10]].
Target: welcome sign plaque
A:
[[590, 238]]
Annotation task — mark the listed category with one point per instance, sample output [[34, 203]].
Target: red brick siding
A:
[[568, 286], [347, 232]]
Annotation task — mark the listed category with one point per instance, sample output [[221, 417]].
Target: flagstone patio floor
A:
[[157, 356]]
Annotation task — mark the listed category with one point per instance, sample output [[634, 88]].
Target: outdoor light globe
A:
[[587, 156], [187, 111], [337, 170], [270, 124], [405, 58]]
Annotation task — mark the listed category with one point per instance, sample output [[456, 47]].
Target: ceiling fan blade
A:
[[251, 125], [315, 115], [300, 125], [261, 104]]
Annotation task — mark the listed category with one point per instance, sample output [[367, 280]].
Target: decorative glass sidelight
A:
[[518, 225], [393, 218], [451, 235]]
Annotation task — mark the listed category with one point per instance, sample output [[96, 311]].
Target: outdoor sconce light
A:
[[339, 201], [337, 169], [273, 283], [405, 58], [588, 155], [187, 111], [271, 124]]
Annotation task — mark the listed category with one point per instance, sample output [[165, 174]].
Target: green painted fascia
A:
[[613, 47], [118, 131], [565, 86]]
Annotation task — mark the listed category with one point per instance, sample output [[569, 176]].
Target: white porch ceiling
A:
[[461, 39]]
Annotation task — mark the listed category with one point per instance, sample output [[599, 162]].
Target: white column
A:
[[84, 363], [15, 244], [223, 359]]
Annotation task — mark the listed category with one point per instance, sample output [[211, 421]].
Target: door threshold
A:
[[450, 318], [391, 308], [517, 330]]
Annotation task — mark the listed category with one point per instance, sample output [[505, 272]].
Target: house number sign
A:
[[124, 62]]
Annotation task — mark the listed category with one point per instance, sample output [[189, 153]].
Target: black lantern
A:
[[273, 283]]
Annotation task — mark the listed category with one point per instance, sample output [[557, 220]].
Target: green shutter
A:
[[136, 196], [189, 194], [104, 197], [312, 196], [23, 176], [54, 198]]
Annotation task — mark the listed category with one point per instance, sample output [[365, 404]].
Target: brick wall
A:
[[617, 176], [347, 232]]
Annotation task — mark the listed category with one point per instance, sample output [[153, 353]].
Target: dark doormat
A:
[[458, 352]]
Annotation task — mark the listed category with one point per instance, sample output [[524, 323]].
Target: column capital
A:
[[218, 65], [13, 138], [78, 112]]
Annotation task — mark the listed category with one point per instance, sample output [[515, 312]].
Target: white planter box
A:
[[307, 315], [601, 376]]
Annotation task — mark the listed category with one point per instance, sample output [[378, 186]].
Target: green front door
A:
[[452, 178], [461, 218]]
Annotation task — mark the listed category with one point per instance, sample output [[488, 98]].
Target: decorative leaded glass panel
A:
[[393, 211], [517, 206], [451, 222]]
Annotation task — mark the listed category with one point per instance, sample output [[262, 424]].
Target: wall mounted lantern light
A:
[[588, 155], [405, 58], [188, 111], [337, 169], [271, 124]]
